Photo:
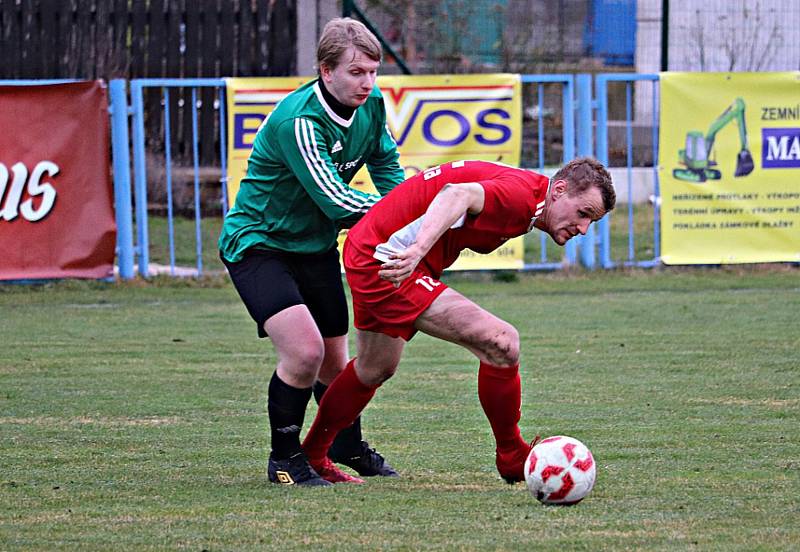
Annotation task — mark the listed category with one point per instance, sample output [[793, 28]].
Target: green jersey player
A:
[[279, 239]]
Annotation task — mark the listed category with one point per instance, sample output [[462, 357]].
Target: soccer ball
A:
[[560, 470]]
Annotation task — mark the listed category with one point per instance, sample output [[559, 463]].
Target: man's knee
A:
[[501, 346], [329, 369], [375, 372], [305, 357], [335, 359]]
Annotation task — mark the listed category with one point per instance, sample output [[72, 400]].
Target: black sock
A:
[[348, 440], [286, 406], [319, 390]]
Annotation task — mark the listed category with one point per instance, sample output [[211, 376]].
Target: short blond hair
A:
[[341, 33]]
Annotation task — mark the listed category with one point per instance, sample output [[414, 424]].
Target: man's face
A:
[[351, 82], [567, 216]]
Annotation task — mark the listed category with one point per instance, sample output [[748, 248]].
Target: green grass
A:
[[132, 417], [643, 233], [185, 242]]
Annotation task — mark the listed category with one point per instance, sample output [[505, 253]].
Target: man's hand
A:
[[401, 265], [453, 202]]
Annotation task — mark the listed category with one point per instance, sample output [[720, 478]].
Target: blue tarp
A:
[[611, 31]]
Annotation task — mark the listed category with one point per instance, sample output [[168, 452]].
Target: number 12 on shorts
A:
[[427, 282]]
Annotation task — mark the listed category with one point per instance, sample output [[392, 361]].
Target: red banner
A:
[[56, 196]]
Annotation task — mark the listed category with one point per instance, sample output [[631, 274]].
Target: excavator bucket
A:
[[744, 163]]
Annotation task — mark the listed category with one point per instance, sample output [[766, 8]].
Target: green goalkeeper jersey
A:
[[295, 196]]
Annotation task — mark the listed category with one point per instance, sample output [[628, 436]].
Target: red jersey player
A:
[[394, 258]]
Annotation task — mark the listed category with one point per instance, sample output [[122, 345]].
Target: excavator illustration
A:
[[697, 158]]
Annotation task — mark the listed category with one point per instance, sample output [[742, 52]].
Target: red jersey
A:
[[513, 199]]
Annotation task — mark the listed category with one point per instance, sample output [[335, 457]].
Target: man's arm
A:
[[453, 202], [384, 164], [306, 153]]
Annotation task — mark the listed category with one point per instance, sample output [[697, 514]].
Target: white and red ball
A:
[[560, 470]]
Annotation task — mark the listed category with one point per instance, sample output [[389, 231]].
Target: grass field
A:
[[132, 417]]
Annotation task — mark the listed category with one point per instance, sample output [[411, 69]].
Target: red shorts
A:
[[380, 307]]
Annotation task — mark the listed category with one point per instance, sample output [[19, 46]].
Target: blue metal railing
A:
[[586, 244], [567, 83], [601, 91], [578, 110], [140, 165], [140, 183]]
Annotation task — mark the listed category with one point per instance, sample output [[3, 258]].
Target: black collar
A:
[[343, 111]]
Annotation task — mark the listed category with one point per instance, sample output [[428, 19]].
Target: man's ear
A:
[[324, 71], [559, 188]]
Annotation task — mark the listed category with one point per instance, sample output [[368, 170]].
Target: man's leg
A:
[[268, 288], [321, 285], [349, 439], [289, 392], [349, 447], [352, 390], [455, 318]]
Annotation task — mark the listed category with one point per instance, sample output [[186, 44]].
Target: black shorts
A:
[[271, 281]]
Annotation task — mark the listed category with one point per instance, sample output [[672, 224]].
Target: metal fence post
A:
[[140, 178], [122, 176], [583, 84], [568, 102], [604, 226]]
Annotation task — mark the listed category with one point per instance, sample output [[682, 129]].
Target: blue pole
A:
[[140, 178], [197, 220], [604, 226], [568, 109], [168, 163], [585, 148], [122, 177], [540, 129], [583, 85], [629, 164], [223, 154], [656, 186], [540, 139]]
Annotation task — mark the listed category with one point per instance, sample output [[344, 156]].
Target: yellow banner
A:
[[729, 167], [434, 119]]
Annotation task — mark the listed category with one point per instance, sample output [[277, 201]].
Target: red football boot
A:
[[328, 471], [511, 463]]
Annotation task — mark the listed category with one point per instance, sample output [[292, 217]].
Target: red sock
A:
[[500, 393], [341, 404]]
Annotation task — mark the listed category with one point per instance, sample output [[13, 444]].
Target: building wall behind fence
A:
[[734, 35], [479, 36], [717, 35]]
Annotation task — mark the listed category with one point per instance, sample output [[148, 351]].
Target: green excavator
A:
[[697, 157]]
